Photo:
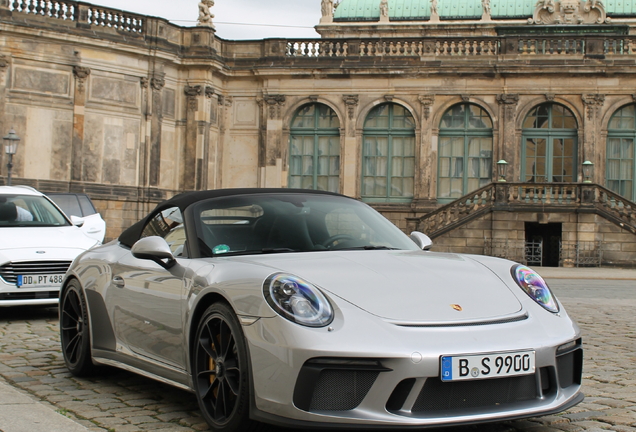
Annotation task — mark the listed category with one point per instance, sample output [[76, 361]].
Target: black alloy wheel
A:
[[220, 373], [74, 330]]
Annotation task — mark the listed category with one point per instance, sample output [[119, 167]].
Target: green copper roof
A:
[[418, 10]]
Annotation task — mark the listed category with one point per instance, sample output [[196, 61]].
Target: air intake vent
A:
[[9, 272], [441, 397], [339, 390]]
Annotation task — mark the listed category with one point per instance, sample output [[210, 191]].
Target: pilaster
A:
[[349, 149], [508, 145], [194, 95], [79, 103], [271, 168], [157, 82], [4, 127], [592, 133], [426, 174]]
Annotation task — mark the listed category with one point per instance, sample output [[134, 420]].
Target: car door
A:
[[147, 300]]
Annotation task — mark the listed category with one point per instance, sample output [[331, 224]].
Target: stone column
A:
[[426, 174], [4, 127], [189, 157], [270, 158], [592, 135], [79, 104], [203, 141], [157, 82], [144, 133], [350, 158], [508, 145]]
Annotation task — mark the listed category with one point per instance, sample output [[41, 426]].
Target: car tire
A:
[[221, 372], [75, 331]]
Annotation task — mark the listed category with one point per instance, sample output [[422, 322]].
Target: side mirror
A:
[[423, 241], [155, 249], [77, 221]]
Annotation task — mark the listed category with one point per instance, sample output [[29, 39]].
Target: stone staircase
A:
[[530, 197]]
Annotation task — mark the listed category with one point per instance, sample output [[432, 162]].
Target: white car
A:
[[80, 205], [37, 245]]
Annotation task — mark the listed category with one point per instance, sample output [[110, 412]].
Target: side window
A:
[[169, 225]]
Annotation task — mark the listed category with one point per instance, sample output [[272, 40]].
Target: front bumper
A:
[[11, 295], [370, 373]]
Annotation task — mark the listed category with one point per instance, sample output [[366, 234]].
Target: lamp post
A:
[[502, 167], [10, 148], [588, 171]]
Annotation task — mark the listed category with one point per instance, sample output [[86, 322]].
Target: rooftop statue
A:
[[327, 8], [205, 16]]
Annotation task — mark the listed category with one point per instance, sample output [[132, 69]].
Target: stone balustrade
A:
[[113, 21], [65, 10], [539, 197]]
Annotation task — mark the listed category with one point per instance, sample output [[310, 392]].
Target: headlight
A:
[[297, 300], [535, 287]]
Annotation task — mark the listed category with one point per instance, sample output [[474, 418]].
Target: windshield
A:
[[271, 223], [29, 210]]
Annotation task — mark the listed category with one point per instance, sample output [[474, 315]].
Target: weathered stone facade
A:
[[133, 109]]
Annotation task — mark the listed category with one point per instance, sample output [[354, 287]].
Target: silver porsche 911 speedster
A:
[[307, 309]]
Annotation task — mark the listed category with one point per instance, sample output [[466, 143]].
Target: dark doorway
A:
[[550, 236]]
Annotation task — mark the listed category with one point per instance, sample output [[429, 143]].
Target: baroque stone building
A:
[[405, 104]]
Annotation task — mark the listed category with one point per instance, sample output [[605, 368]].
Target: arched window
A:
[[465, 151], [549, 150], [388, 155], [621, 159], [314, 151]]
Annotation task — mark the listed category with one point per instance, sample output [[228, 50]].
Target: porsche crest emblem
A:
[[457, 307]]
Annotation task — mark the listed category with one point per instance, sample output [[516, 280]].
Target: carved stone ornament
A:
[[569, 12], [352, 102], [508, 99], [314, 98], [388, 98], [193, 91], [4, 62], [209, 92], [427, 102], [158, 83], [275, 104], [144, 81], [81, 72], [465, 97], [509, 102], [593, 103], [550, 97]]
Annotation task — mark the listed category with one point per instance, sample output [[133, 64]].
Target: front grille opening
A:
[[399, 395], [30, 295], [335, 384], [446, 397], [9, 272], [570, 368]]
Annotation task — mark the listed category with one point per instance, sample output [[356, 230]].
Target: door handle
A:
[[119, 282]]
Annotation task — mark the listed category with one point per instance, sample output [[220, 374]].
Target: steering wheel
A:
[[329, 243]]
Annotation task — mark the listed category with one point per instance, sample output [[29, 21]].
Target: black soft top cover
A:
[[130, 236]]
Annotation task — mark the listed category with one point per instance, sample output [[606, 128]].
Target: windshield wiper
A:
[[257, 252], [367, 248]]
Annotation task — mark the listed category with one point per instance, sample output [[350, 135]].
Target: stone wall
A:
[[134, 114], [618, 246]]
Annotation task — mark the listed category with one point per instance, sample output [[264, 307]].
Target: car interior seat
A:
[[8, 212]]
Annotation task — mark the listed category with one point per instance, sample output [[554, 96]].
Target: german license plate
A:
[[473, 367], [34, 281]]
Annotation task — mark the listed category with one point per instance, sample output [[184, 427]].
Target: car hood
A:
[[42, 243], [407, 287]]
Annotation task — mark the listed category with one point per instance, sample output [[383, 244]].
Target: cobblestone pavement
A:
[[118, 401]]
